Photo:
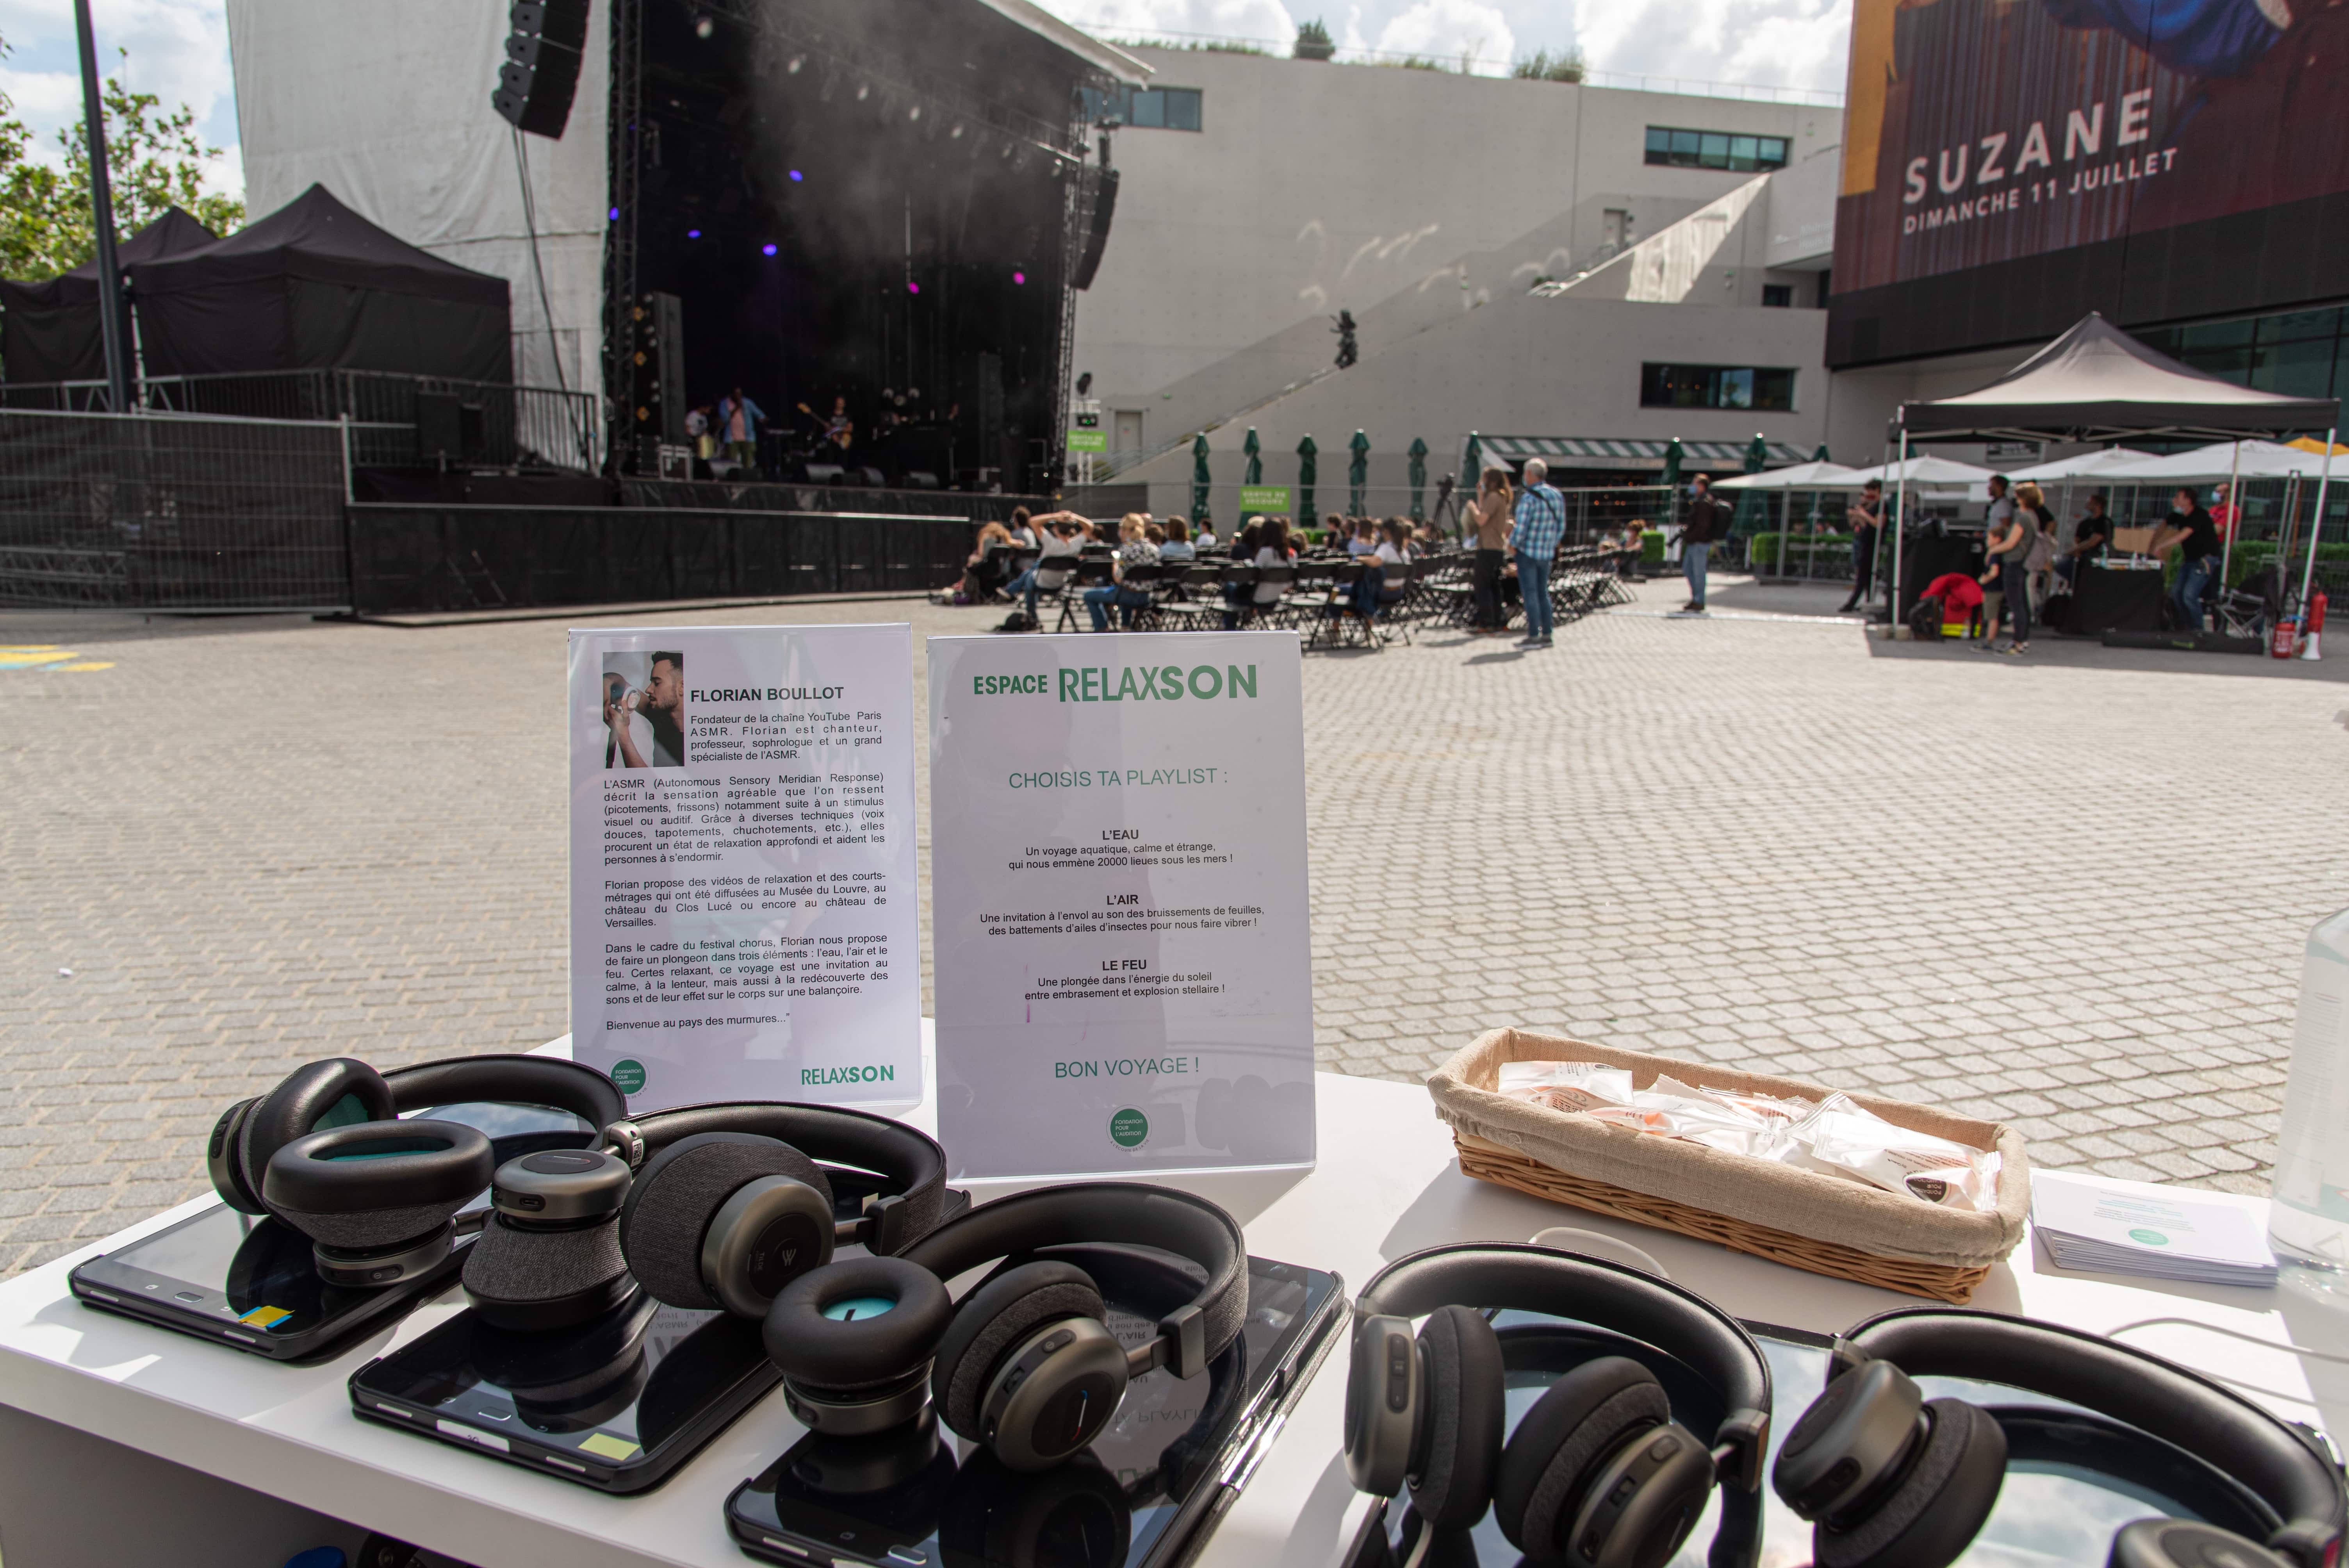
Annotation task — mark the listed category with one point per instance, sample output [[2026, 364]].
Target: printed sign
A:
[[1264, 497], [1119, 914], [743, 892], [1088, 441]]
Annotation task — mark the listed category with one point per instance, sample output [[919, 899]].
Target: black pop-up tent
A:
[[2096, 383], [49, 331], [314, 285]]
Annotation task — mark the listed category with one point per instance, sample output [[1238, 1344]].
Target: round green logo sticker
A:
[[2150, 1238], [628, 1075], [1128, 1128]]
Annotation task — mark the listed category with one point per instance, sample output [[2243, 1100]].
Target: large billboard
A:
[[2010, 164]]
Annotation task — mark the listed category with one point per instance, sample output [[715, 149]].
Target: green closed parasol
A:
[[1254, 451], [1358, 475], [1199, 478], [1308, 468], [1472, 465], [1754, 506], [1673, 458], [1418, 479]]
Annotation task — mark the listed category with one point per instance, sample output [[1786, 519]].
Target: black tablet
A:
[[1144, 1495]]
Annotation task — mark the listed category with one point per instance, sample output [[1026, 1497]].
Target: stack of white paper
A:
[[2165, 1233]]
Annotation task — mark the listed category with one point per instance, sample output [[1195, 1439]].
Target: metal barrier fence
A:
[[165, 512], [408, 559], [408, 419]]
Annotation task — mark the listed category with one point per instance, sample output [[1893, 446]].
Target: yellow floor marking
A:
[[85, 665]]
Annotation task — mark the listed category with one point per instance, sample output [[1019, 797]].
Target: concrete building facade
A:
[[1432, 206]]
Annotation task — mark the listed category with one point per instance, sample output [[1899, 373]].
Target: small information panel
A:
[[1118, 911], [743, 892]]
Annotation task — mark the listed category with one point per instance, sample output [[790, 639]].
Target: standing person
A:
[[740, 420], [2040, 568], [2224, 513], [1489, 526], [1708, 519], [2007, 554], [2190, 532], [1865, 520], [1540, 524], [2089, 539]]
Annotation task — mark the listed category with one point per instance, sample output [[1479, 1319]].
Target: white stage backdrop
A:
[[388, 107]]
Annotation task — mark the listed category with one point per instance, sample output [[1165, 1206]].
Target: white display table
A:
[[1386, 1185]]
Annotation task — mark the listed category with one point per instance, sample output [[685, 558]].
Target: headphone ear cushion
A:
[[538, 1280], [991, 1319], [1931, 1516], [221, 1160], [678, 1192], [313, 1097], [1538, 1486], [1465, 1411]]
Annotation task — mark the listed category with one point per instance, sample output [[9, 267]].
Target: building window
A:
[[2302, 353], [1716, 387], [1714, 149], [1153, 108], [1778, 296]]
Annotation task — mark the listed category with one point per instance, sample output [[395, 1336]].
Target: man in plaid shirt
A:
[[1540, 524]]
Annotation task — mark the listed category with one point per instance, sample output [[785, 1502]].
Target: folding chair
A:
[[1092, 571]]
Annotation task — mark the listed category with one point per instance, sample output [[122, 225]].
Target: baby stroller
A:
[[2247, 611]]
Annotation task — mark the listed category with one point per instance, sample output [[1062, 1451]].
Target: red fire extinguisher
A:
[[2316, 623], [2284, 640]]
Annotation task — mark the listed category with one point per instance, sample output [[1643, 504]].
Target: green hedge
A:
[[2252, 555], [1762, 549]]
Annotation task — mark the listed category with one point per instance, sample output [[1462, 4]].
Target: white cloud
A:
[[1778, 42], [1269, 22], [178, 51], [1450, 31]]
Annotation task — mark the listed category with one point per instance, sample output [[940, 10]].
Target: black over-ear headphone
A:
[[325, 1153], [1892, 1479], [1024, 1363], [1597, 1473], [731, 1205], [906, 1483]]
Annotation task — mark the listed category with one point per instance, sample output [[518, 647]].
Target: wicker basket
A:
[[1789, 1216]]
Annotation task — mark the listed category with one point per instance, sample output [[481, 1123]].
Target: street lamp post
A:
[[113, 318]]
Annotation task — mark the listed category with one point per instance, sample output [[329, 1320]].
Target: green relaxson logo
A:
[[1141, 683], [820, 1075]]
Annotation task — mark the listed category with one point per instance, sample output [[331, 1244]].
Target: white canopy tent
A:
[[2258, 461], [1798, 477], [2096, 383], [2079, 465], [1925, 472]]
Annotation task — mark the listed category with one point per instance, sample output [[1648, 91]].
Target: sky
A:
[[179, 48], [179, 51]]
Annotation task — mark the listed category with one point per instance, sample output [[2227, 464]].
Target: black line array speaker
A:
[[1097, 237], [541, 73], [656, 368]]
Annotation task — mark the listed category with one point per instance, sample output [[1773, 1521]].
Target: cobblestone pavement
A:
[[2068, 890]]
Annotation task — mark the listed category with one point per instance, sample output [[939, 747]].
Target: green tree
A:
[[154, 159], [1541, 65]]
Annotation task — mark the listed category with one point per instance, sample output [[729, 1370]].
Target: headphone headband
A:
[[911, 1162], [1675, 1320], [1128, 1212], [2213, 1423], [509, 1080]]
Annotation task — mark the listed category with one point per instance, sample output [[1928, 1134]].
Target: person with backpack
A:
[[1540, 525], [1708, 521]]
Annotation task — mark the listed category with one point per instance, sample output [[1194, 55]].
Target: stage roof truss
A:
[[1061, 139]]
